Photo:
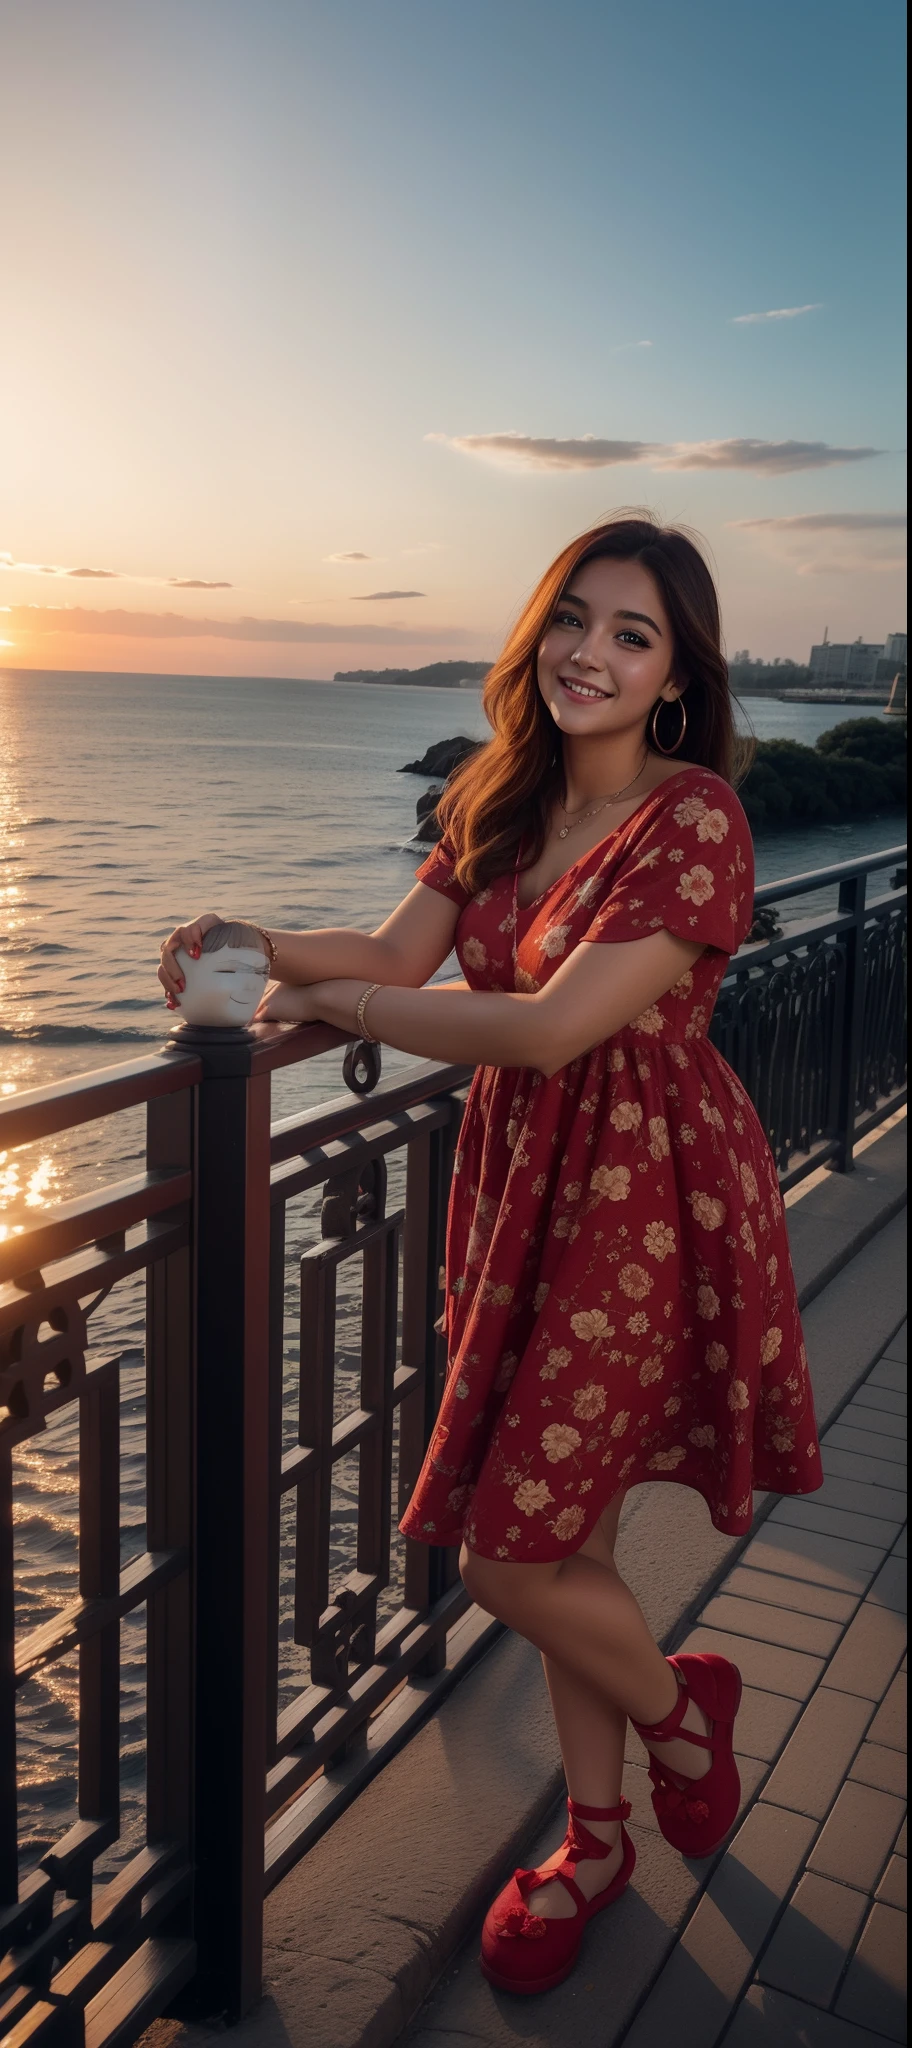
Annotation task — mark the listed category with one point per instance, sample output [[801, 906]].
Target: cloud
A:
[[628, 344], [74, 619], [803, 541], [526, 452], [852, 566], [772, 458], [370, 596], [827, 522], [354, 556], [778, 313], [8, 561]]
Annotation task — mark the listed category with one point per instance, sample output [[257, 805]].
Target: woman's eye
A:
[[566, 619], [637, 638]]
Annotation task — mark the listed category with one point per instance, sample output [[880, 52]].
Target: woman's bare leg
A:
[[592, 1732], [586, 1621], [580, 1613]]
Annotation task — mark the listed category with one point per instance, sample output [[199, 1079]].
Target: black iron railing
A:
[[292, 1371], [814, 1021]]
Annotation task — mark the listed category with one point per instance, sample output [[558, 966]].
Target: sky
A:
[[326, 323]]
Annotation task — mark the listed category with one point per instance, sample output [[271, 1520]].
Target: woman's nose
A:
[[589, 653]]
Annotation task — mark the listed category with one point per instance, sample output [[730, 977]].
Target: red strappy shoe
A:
[[696, 1819], [523, 1951]]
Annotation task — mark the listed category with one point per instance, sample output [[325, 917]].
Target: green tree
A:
[[882, 740], [856, 767]]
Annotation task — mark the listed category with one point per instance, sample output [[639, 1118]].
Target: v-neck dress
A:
[[620, 1303]]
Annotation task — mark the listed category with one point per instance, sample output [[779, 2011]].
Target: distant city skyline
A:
[[326, 327]]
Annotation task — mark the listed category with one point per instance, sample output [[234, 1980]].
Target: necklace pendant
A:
[[563, 832]]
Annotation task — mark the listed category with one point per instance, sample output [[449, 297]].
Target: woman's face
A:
[[223, 987], [608, 653]]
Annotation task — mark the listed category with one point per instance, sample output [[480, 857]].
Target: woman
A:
[[620, 1303]]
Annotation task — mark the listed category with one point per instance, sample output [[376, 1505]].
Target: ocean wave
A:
[[29, 949], [79, 1034]]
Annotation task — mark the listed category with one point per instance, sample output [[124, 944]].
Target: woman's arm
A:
[[406, 949], [598, 990]]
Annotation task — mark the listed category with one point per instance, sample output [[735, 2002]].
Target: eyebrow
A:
[[644, 618]]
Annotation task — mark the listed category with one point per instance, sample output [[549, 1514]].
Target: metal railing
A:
[[814, 1021], [292, 1287]]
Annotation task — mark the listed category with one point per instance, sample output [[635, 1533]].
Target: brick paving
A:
[[795, 1936], [799, 1936]]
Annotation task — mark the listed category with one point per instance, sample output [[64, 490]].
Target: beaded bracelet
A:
[[360, 1024]]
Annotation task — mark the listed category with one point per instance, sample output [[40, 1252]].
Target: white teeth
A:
[[580, 690]]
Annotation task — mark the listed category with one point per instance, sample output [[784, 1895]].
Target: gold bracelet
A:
[[360, 1025]]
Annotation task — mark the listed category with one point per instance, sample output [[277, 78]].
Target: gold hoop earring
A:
[[655, 720]]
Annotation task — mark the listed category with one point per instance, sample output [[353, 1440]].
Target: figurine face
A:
[[222, 987]]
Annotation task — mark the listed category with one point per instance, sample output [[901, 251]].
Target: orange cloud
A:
[[53, 620]]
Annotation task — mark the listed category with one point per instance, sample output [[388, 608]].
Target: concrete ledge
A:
[[835, 1218], [360, 1931]]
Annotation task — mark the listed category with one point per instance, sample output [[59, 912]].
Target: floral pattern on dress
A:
[[620, 1304]]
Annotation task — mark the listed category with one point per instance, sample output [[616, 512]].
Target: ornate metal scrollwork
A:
[[777, 1027], [349, 1641], [350, 1197], [884, 1048], [361, 1066], [781, 1027], [39, 1373]]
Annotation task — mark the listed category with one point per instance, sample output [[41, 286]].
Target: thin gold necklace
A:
[[613, 797]]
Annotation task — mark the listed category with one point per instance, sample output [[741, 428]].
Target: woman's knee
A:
[[478, 1576], [504, 1589]]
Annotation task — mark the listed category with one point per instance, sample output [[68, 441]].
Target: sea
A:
[[129, 803]]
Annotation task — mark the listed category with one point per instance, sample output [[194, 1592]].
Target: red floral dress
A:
[[620, 1302]]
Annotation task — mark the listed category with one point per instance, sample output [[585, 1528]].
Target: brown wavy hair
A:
[[502, 795]]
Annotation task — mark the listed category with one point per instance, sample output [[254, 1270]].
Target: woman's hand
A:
[[190, 937], [284, 1004]]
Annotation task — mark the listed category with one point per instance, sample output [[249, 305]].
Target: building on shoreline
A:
[[858, 661]]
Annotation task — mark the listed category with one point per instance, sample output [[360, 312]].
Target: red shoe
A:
[[522, 1951], [696, 1821]]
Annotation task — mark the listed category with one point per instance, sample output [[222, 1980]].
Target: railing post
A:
[[852, 900], [170, 1515], [232, 1484]]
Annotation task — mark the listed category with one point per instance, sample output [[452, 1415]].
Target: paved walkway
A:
[[795, 1936]]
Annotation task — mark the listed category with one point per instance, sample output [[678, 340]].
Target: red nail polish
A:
[[195, 952]]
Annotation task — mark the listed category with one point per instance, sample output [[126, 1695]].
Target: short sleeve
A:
[[689, 872], [437, 872]]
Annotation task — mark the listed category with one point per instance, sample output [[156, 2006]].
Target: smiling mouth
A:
[[584, 691]]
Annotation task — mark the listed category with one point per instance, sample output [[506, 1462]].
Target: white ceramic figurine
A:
[[224, 986]]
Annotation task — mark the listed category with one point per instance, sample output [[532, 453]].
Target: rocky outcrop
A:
[[439, 761], [428, 831], [441, 758]]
